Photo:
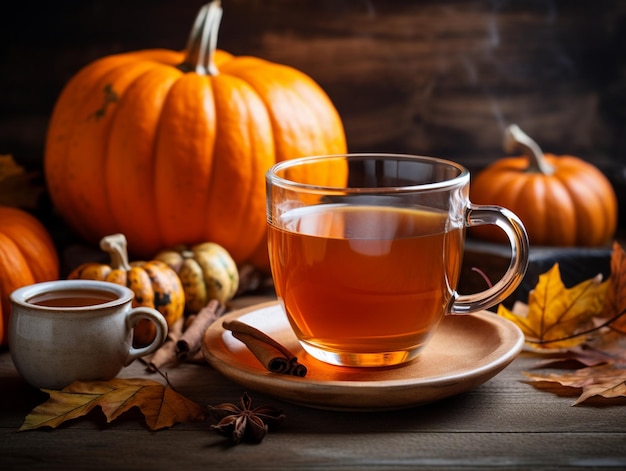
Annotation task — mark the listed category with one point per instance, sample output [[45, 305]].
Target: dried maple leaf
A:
[[615, 304], [161, 405], [557, 316], [587, 354], [608, 381]]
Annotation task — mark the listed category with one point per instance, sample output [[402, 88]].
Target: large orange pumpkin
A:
[[562, 200], [27, 256], [171, 147]]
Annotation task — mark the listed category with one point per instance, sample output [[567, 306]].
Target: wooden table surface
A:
[[505, 423]]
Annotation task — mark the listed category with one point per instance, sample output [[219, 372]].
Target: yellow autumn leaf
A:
[[161, 405], [608, 381], [557, 316]]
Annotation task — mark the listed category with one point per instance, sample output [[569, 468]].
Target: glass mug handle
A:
[[514, 230]]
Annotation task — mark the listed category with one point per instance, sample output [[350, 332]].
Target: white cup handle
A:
[[133, 317]]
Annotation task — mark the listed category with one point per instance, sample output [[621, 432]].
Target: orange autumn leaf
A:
[[615, 304], [161, 405], [608, 381], [557, 316]]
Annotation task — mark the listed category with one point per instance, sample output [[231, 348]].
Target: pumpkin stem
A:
[[115, 246], [515, 138], [202, 41]]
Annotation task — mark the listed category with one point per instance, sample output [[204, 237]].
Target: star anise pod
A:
[[242, 422]]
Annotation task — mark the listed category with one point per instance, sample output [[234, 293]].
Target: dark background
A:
[[436, 77]]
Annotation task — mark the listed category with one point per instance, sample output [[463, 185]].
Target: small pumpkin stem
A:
[[515, 138], [202, 41], [186, 253], [115, 246]]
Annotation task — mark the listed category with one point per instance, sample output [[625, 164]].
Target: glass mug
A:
[[366, 251]]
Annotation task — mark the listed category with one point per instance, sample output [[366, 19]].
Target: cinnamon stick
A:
[[271, 354], [189, 342], [165, 355]]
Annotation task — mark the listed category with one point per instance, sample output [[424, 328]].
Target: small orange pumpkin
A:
[[154, 283], [27, 256], [562, 200], [179, 142]]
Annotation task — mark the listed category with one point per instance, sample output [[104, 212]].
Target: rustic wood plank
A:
[[348, 451], [500, 424]]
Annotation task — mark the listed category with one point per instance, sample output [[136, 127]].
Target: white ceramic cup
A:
[[76, 330]]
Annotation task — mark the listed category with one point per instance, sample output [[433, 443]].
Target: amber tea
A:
[[78, 298], [365, 279]]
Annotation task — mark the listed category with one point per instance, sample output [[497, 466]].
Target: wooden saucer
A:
[[464, 352]]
